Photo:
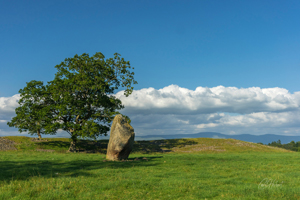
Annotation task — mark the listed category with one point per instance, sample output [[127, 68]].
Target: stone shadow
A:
[[161, 146]]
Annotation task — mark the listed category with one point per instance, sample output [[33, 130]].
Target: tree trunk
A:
[[39, 134], [72, 147]]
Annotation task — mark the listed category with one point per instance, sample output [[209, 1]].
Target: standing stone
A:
[[121, 139]]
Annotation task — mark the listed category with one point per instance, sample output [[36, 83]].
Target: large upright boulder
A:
[[121, 139]]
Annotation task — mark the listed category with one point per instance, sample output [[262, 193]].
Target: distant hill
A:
[[265, 139]]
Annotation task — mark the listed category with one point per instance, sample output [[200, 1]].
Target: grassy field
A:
[[167, 169]]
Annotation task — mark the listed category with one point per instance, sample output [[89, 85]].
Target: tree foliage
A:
[[293, 146], [83, 90], [33, 114]]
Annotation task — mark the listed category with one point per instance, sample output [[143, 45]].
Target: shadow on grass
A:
[[81, 146], [160, 145], [100, 146], [23, 170]]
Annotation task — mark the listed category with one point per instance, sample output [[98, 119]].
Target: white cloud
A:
[[228, 110], [176, 110], [176, 100], [8, 106]]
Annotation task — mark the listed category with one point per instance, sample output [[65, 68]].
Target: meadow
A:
[[167, 169]]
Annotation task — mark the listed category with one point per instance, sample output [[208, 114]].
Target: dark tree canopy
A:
[[33, 114], [83, 91]]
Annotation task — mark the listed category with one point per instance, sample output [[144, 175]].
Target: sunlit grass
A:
[[236, 173]]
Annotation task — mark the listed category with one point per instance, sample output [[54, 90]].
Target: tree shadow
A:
[[24, 170], [87, 146], [100, 146]]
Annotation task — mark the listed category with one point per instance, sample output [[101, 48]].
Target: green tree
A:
[[83, 91], [33, 114], [279, 142]]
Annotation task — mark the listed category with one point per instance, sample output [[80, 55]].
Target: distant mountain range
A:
[[265, 139]]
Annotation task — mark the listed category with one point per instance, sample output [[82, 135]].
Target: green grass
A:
[[198, 169], [195, 145]]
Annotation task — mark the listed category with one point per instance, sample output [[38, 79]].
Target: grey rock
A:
[[6, 144], [121, 139]]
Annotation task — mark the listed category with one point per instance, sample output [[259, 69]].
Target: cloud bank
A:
[[176, 100], [228, 110], [177, 110]]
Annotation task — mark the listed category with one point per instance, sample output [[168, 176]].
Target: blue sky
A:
[[189, 44]]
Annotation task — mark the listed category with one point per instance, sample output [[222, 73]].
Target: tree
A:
[[279, 142], [83, 91], [33, 114]]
